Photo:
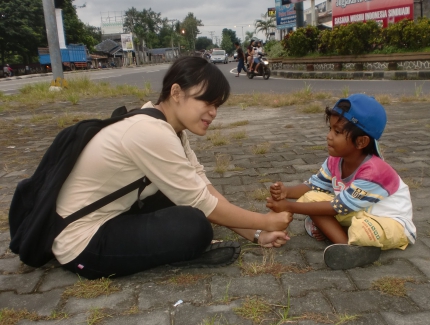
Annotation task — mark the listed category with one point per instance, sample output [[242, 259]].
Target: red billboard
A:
[[382, 11]]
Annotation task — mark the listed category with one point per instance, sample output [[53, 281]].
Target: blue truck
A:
[[75, 56]]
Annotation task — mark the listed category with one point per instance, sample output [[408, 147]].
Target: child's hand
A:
[[278, 191], [277, 206]]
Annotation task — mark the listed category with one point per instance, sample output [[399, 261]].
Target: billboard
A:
[[285, 15], [271, 12], [287, 2], [382, 11], [127, 42]]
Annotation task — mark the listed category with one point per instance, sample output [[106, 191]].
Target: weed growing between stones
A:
[[222, 163], [260, 194], [260, 149], [91, 288], [269, 266], [391, 285]]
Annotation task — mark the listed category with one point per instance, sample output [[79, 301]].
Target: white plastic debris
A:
[[178, 303], [11, 147]]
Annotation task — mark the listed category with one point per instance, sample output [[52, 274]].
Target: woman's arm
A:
[[267, 238]]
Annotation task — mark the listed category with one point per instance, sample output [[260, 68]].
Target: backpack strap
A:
[[141, 183]]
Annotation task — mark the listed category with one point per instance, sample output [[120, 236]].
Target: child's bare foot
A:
[[313, 230]]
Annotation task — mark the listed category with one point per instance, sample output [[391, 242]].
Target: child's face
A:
[[339, 145]]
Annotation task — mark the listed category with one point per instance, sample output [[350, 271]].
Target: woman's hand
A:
[[279, 221], [273, 238]]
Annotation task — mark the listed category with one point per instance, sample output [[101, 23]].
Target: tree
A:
[[232, 35], [226, 42], [248, 37], [265, 25], [189, 30], [203, 43], [21, 29]]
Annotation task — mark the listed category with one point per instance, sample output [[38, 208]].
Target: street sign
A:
[[271, 12]]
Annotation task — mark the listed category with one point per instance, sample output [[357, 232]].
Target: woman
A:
[[174, 224]]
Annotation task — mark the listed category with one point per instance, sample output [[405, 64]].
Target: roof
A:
[[161, 50], [108, 46]]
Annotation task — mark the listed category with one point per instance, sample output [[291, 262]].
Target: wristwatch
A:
[[257, 236]]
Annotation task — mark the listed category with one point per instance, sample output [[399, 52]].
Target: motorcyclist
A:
[[258, 52], [250, 53]]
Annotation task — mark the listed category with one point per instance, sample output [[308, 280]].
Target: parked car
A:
[[219, 56]]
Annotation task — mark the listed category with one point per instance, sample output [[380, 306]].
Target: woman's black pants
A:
[[158, 233]]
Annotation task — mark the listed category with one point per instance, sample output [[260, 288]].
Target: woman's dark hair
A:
[[351, 130], [190, 71]]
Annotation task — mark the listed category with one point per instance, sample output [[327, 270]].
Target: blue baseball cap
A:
[[366, 113]]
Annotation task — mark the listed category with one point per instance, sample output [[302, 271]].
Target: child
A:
[[356, 200]]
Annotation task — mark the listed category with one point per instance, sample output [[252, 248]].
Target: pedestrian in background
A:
[[240, 58]]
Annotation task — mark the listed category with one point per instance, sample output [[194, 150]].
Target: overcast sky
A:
[[214, 14]]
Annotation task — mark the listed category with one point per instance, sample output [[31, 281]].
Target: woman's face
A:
[[192, 114]]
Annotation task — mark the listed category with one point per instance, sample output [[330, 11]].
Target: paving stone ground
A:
[[295, 276]]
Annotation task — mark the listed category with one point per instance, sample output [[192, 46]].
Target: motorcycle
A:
[[263, 69]]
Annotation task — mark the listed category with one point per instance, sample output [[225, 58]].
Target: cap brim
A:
[[378, 149]]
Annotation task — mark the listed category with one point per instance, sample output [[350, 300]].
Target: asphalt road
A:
[[154, 74]]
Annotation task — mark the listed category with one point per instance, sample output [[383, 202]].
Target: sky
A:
[[214, 14]]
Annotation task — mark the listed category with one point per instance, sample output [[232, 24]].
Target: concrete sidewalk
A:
[[295, 143]]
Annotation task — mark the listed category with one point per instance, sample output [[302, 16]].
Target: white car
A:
[[219, 56]]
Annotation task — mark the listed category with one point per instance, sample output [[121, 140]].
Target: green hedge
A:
[[358, 38]]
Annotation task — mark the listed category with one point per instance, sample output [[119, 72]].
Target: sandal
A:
[[344, 257], [311, 228]]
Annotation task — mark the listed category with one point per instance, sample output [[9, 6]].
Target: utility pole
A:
[[211, 33], [299, 14], [53, 42]]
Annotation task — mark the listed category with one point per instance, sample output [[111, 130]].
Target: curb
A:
[[368, 75]]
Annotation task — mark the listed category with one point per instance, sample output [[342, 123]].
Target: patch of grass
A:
[[96, 316], [91, 288], [239, 123], [260, 194], [323, 95], [316, 148], [313, 109], [73, 98], [269, 266], [13, 316], [214, 320], [37, 94], [344, 318], [391, 285], [222, 163], [226, 298], [239, 135], [215, 126], [383, 99], [253, 308], [407, 99], [133, 310], [186, 279], [260, 149], [41, 118], [69, 119], [418, 90], [345, 91], [217, 138]]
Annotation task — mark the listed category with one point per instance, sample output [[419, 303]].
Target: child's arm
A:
[[308, 208], [279, 191]]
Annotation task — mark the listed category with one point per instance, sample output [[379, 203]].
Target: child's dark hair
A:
[[190, 71], [351, 130]]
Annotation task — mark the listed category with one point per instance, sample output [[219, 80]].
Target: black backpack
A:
[[33, 221]]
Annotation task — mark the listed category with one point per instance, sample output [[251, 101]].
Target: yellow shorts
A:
[[365, 229]]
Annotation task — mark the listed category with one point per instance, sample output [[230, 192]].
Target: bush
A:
[[355, 38], [406, 34], [301, 42], [276, 50]]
